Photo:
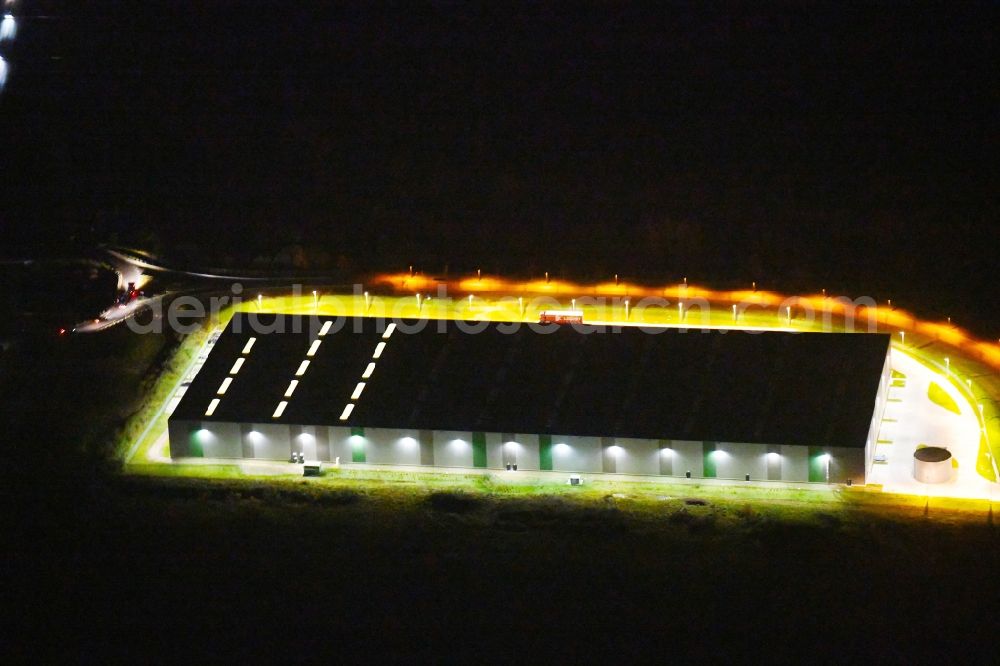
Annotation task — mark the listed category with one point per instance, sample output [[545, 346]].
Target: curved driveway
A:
[[912, 419]]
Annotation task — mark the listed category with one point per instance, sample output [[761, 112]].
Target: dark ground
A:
[[157, 571], [801, 147], [97, 565]]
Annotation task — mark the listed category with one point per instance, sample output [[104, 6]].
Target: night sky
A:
[[808, 146]]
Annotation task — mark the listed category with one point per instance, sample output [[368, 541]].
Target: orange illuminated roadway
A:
[[893, 319]]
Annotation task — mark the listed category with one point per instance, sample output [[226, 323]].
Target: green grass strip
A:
[[941, 398]]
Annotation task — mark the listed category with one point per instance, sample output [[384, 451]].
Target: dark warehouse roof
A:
[[773, 387]]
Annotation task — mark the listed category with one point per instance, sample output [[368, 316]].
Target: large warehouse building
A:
[[678, 402]]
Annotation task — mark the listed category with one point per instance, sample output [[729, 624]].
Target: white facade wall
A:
[[494, 450], [271, 441], [388, 447], [306, 443], [794, 462], [340, 445], [637, 456], [687, 456], [590, 455], [881, 398], [222, 441], [576, 454], [452, 449], [735, 461], [524, 448]]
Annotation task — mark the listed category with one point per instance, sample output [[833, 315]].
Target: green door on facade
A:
[[479, 449], [708, 453], [195, 449], [545, 452], [358, 445], [817, 465]]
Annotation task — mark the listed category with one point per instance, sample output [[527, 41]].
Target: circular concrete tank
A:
[[932, 464]]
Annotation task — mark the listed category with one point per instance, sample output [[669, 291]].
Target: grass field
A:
[[940, 397], [651, 501], [414, 568]]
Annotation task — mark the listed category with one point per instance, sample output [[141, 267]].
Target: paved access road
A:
[[916, 420]]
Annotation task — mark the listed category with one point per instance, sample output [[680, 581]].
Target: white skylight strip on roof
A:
[[211, 407], [313, 348], [378, 350], [291, 388], [368, 371], [224, 386], [236, 366], [302, 368], [347, 411], [357, 391], [326, 328], [388, 331], [249, 345], [280, 409]]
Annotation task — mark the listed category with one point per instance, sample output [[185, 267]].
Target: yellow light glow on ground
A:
[[612, 289], [481, 284], [892, 318], [496, 300]]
